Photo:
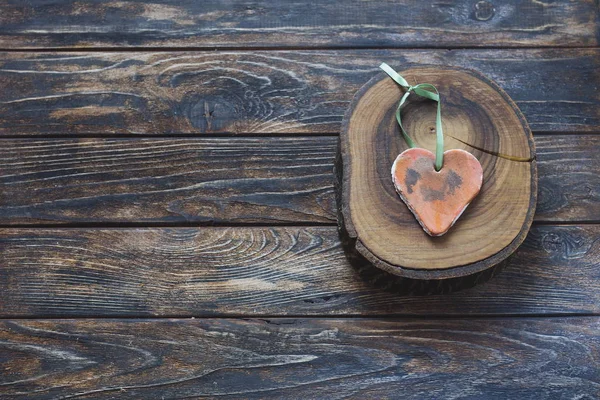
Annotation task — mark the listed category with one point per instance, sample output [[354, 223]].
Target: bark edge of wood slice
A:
[[479, 117]]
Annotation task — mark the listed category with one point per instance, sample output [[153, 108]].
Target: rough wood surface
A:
[[244, 23], [284, 180], [266, 180], [298, 359], [265, 92], [270, 271], [482, 120], [568, 187], [149, 73]]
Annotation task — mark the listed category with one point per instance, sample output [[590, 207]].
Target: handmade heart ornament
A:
[[437, 198]]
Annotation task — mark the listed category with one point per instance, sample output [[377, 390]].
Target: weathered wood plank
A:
[[568, 178], [231, 180], [244, 23], [543, 359], [267, 180], [269, 271], [265, 92]]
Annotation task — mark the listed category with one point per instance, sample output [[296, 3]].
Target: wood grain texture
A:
[[265, 92], [231, 180], [270, 271], [568, 187], [56, 169], [266, 180], [483, 117], [244, 23], [299, 358]]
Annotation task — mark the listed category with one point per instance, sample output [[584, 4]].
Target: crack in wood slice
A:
[[494, 153]]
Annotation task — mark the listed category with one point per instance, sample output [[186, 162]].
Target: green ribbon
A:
[[428, 91]]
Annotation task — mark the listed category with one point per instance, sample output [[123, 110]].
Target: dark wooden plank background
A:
[[144, 175], [282, 92], [270, 271], [299, 358], [279, 180], [233, 23]]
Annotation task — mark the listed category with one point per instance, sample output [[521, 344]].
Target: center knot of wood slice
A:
[[437, 198]]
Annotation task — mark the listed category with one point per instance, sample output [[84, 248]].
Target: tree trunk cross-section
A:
[[478, 117], [301, 359]]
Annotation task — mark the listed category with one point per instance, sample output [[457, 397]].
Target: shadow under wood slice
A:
[[478, 117]]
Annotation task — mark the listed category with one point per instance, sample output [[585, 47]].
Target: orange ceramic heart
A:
[[437, 199]]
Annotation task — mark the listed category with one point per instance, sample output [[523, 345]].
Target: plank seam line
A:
[[133, 225], [225, 135], [228, 135], [267, 317], [128, 225], [213, 49]]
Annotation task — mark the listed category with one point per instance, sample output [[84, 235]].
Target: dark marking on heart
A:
[[411, 179], [453, 182]]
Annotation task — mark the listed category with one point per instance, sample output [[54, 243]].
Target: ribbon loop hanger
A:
[[428, 91]]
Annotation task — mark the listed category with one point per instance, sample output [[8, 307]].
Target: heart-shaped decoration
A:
[[437, 198]]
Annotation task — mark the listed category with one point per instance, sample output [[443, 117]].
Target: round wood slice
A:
[[479, 117]]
